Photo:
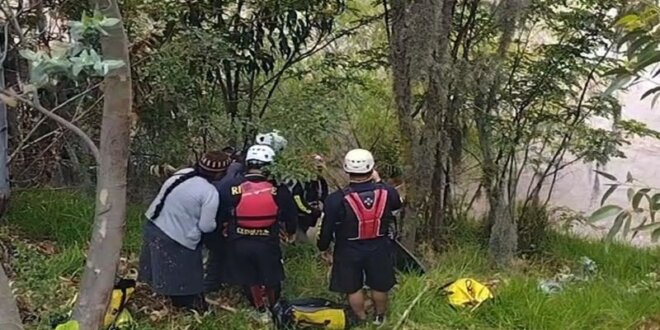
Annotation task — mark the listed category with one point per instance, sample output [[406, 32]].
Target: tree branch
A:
[[50, 114]]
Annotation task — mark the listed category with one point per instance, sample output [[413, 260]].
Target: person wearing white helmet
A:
[[272, 139], [252, 208], [358, 217]]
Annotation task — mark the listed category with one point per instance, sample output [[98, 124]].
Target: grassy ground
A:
[[47, 232]]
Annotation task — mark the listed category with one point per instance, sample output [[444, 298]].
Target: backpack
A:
[[467, 292], [256, 208], [117, 316], [312, 313], [369, 210]]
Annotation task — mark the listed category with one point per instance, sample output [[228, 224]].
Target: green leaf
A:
[[98, 68], [627, 20], [71, 325], [607, 175], [28, 54], [650, 92], [650, 226], [629, 177], [655, 235], [113, 64], [626, 226], [629, 37], [604, 212], [638, 197], [637, 44], [617, 84], [609, 192], [655, 58], [616, 226], [655, 99], [76, 69], [109, 21], [103, 32]]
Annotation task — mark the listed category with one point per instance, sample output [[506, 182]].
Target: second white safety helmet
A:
[[272, 139], [359, 161]]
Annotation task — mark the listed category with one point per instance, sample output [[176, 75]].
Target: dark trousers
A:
[[195, 302]]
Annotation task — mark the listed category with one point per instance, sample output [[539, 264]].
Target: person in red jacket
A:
[[359, 218], [251, 208]]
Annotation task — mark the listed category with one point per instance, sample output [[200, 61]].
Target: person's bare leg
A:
[[380, 300], [356, 300]]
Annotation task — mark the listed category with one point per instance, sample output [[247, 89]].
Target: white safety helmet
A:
[[260, 154], [272, 139], [359, 161]]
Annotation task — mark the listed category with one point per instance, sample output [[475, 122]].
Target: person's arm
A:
[[331, 211], [287, 209], [301, 204], [207, 219], [324, 189], [393, 198]]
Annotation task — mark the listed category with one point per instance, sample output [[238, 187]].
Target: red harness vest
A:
[[257, 208], [369, 218]]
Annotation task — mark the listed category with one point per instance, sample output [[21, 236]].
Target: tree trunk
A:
[[10, 319], [4, 145], [400, 61], [503, 242], [103, 256]]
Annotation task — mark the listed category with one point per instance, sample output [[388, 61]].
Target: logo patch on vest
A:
[[369, 212]]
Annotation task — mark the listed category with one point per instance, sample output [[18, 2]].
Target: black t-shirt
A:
[[335, 210]]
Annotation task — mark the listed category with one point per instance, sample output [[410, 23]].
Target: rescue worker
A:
[[359, 217], [255, 206], [309, 197], [186, 206], [215, 243], [273, 139]]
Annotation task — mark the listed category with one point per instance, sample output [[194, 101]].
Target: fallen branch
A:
[[415, 301]]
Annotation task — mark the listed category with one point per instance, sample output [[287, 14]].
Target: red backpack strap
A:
[[369, 219]]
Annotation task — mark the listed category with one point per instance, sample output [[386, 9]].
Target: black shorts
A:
[[359, 263], [255, 262]]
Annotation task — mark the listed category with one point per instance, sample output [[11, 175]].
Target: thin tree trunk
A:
[[10, 319], [103, 256], [4, 137]]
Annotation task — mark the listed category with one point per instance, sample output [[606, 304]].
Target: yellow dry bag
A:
[[117, 316], [467, 292]]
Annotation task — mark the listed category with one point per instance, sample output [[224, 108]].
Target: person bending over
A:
[[186, 206], [255, 206]]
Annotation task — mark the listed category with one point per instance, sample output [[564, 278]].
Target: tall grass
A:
[[605, 302]]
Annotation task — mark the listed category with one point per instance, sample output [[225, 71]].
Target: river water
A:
[[579, 189]]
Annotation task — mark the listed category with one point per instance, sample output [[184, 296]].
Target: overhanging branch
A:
[[60, 120]]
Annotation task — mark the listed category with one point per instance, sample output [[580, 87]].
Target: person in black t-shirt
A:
[[309, 197], [358, 217], [251, 208]]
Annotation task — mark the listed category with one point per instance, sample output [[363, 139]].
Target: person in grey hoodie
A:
[[185, 208]]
